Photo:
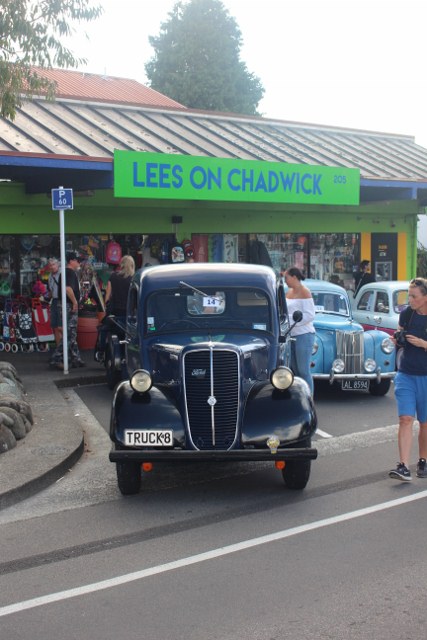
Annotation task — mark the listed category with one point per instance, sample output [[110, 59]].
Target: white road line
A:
[[323, 434], [202, 557]]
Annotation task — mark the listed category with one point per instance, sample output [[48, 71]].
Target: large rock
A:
[[16, 416], [7, 439], [17, 422]]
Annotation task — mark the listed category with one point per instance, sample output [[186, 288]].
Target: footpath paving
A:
[[56, 441]]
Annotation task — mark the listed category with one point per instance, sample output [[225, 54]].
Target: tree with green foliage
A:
[[421, 261], [31, 34], [197, 60]]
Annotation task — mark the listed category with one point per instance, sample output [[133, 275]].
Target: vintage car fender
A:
[[289, 415], [151, 410], [373, 340]]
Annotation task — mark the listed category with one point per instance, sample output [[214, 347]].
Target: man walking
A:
[[72, 289]]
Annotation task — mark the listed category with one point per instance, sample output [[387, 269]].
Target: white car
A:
[[377, 305]]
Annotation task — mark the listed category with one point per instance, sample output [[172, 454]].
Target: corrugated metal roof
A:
[[92, 129], [79, 85]]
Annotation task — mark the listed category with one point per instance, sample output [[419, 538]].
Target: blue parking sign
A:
[[62, 199]]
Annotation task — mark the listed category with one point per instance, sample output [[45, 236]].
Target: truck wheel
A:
[[296, 474], [128, 477], [380, 388], [113, 376]]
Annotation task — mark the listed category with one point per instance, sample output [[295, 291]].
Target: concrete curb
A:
[[56, 441]]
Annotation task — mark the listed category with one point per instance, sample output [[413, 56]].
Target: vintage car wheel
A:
[[380, 388], [296, 473], [128, 477], [113, 376]]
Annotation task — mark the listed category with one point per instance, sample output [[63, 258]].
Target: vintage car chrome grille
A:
[[212, 397], [350, 348]]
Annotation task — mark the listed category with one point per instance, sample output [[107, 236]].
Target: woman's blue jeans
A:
[[301, 349]]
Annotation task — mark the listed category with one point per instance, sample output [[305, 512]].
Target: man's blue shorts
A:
[[55, 315], [411, 395]]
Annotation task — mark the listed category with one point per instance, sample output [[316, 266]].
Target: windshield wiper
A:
[[202, 293]]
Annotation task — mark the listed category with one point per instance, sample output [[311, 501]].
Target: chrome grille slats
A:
[[350, 348], [210, 373]]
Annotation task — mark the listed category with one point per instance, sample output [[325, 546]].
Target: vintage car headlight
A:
[[338, 365], [282, 378], [141, 381], [315, 348], [387, 345], [370, 365]]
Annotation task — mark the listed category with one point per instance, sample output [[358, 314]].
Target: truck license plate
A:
[[149, 437], [355, 385]]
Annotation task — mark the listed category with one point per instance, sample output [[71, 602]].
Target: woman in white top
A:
[[298, 297]]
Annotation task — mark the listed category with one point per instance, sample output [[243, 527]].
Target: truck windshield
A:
[[222, 308]]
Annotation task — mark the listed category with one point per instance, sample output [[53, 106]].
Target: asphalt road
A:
[[219, 552]]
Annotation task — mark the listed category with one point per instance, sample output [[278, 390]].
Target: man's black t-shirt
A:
[[72, 281]]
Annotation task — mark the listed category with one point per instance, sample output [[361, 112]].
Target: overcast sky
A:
[[351, 63]]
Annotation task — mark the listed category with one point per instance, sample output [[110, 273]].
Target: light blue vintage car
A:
[[343, 352]]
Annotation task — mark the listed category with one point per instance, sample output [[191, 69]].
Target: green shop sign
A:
[[176, 177]]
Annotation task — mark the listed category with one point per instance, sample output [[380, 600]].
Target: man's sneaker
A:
[[422, 468], [401, 473], [78, 363]]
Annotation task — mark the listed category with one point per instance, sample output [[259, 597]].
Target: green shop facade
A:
[[323, 217]]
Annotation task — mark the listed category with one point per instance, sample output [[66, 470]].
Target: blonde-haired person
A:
[[410, 383], [118, 286], [299, 298]]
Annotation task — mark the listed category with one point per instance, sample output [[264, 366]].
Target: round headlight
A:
[[370, 365], [387, 345], [338, 366], [141, 381], [282, 378]]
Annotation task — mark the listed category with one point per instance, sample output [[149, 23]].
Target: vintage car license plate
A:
[[149, 437], [355, 385]]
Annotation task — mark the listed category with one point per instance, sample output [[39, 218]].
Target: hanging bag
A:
[[27, 334], [41, 318], [113, 253]]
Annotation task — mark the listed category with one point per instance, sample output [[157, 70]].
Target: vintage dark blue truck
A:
[[206, 375]]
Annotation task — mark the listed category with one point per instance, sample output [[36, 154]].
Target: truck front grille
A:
[[350, 348], [211, 380]]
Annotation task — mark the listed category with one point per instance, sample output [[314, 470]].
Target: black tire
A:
[[113, 376], [296, 474], [128, 477], [380, 388]]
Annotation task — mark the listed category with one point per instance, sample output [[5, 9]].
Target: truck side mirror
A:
[[297, 316]]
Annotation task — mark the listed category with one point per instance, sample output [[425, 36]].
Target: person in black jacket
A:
[[258, 253], [363, 276]]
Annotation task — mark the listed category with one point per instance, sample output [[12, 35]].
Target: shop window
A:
[[7, 266], [333, 256]]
